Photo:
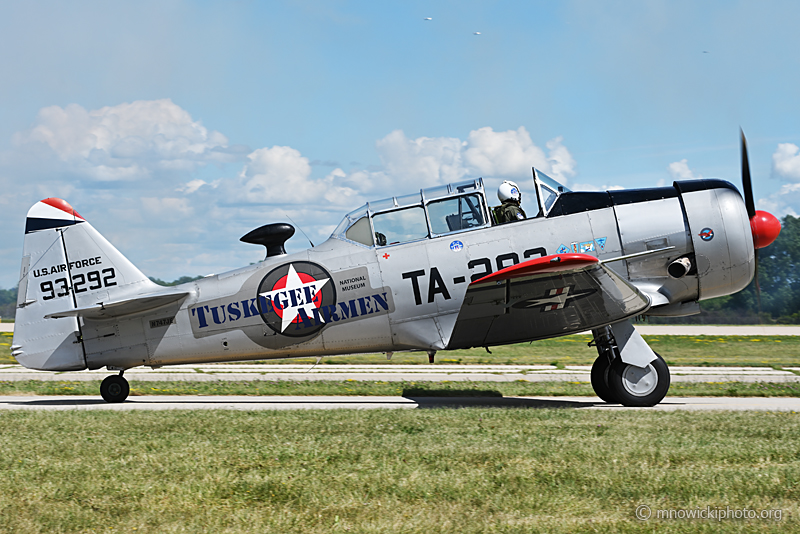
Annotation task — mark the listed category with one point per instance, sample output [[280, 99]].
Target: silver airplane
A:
[[429, 271]]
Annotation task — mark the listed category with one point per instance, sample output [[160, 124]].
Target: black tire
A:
[[600, 380], [114, 388], [634, 386]]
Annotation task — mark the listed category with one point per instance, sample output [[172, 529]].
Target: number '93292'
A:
[[80, 283]]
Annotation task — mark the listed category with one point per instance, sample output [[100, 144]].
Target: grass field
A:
[[408, 389], [5, 347], [420, 471], [573, 350]]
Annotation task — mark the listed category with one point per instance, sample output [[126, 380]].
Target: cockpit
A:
[[433, 212]]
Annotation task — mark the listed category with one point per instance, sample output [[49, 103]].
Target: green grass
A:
[[410, 389], [5, 348], [402, 471]]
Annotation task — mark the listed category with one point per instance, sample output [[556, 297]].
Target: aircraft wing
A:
[[544, 297], [118, 308]]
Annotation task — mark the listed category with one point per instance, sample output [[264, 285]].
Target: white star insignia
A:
[[296, 298]]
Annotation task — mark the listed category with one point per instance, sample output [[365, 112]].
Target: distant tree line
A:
[[179, 281], [8, 303]]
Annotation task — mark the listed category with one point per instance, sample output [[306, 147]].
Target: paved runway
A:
[[363, 403], [394, 373]]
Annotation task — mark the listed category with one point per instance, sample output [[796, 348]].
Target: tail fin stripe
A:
[[51, 213], [33, 224]]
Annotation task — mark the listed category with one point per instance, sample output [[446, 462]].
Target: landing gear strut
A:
[[114, 388], [615, 381]]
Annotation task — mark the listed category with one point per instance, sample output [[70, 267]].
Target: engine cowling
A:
[[722, 236]]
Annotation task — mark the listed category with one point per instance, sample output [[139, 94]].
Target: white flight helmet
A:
[[509, 190]]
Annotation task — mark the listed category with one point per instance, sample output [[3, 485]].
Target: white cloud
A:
[[786, 166], [562, 164], [512, 154], [338, 192], [503, 153], [372, 184], [780, 203], [429, 160], [284, 175], [786, 161], [277, 174], [679, 170], [124, 142], [281, 175], [192, 186], [169, 208]]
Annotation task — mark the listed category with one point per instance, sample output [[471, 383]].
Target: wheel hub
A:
[[640, 381]]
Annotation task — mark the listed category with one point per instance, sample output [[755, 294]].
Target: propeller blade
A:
[[747, 184], [758, 287]]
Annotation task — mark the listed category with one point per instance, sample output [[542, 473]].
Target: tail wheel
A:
[[636, 386], [600, 380], [114, 388]]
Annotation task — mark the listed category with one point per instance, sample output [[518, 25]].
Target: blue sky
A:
[[177, 127]]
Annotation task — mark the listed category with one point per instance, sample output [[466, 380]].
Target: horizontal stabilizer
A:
[[108, 310]]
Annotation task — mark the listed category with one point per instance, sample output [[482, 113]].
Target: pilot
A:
[[510, 210]]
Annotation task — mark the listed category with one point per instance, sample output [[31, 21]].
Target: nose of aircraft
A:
[[765, 227]]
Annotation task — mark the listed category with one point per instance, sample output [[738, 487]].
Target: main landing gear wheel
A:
[[114, 388], [634, 386], [599, 377]]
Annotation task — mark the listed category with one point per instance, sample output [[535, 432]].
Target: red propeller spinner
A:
[[765, 227]]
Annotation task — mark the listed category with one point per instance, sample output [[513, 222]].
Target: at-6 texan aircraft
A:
[[428, 271]]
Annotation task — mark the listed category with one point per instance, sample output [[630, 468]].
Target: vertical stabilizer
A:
[[66, 264]]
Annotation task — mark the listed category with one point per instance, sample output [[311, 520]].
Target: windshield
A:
[[548, 191]]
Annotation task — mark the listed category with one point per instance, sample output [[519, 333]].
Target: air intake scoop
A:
[[272, 236]]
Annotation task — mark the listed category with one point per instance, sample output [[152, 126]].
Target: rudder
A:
[[66, 264]]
